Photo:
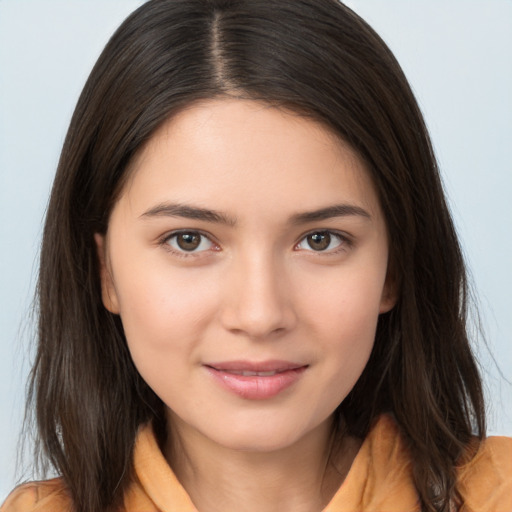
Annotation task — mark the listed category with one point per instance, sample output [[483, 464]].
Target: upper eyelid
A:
[[342, 234], [175, 232]]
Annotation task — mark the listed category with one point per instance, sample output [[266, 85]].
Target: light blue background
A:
[[457, 56]]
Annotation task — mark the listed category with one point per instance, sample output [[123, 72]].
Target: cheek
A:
[[343, 317], [160, 311], [348, 302]]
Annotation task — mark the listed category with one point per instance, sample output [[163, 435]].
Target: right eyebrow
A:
[[189, 212]]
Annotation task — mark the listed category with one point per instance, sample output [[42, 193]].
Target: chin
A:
[[262, 435]]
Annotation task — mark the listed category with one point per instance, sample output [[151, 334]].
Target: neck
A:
[[302, 477]]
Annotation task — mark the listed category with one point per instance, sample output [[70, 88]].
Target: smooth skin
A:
[[247, 232]]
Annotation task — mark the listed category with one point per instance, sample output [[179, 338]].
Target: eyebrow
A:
[[207, 215], [337, 210], [189, 212]]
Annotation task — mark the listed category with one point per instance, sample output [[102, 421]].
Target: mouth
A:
[[256, 380], [248, 373]]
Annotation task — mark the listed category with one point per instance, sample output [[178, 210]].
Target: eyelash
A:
[[164, 242], [345, 242]]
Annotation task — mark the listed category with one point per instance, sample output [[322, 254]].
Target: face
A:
[[247, 257]]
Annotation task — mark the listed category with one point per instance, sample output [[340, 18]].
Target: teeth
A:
[[253, 374]]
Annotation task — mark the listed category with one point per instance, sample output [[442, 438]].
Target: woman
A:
[[251, 292]]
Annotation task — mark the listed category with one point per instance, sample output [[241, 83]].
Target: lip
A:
[[256, 380]]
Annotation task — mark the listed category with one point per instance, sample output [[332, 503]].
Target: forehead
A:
[[247, 154]]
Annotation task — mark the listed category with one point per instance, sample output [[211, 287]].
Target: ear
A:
[[108, 291], [389, 293]]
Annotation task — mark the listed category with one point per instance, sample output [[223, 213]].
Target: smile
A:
[[256, 381], [252, 374]]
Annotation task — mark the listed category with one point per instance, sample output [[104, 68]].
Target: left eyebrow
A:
[[338, 210]]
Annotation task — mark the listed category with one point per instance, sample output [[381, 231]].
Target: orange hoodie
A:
[[378, 481]]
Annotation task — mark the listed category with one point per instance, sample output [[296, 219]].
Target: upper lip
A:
[[256, 366]]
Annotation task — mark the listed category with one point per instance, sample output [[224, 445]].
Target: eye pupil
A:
[[319, 241], [188, 241]]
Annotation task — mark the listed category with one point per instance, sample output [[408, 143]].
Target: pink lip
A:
[[256, 387]]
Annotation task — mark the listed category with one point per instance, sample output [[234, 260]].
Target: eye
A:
[[321, 241], [189, 241]]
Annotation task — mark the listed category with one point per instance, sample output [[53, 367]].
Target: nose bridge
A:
[[258, 301]]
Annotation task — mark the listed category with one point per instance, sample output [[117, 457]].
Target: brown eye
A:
[[189, 241], [319, 241]]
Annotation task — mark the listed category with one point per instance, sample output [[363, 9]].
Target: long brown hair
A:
[[317, 58]]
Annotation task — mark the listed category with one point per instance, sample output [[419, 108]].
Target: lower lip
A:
[[257, 387]]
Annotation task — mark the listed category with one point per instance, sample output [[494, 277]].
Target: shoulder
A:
[[485, 481], [50, 495]]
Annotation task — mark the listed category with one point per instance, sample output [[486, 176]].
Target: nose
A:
[[258, 299]]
